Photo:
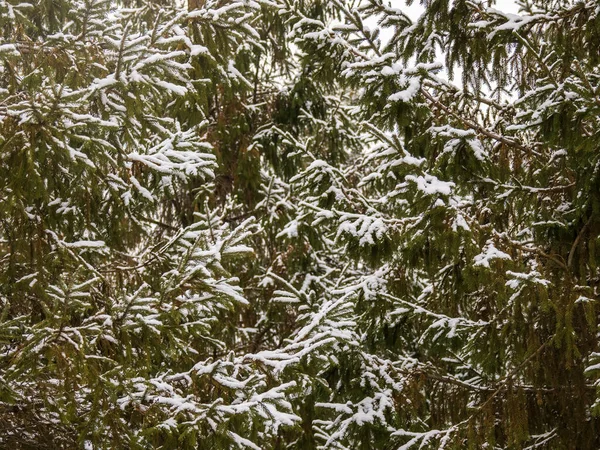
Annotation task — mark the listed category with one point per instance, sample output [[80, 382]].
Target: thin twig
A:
[[576, 243]]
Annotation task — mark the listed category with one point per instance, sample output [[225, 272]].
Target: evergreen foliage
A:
[[299, 224]]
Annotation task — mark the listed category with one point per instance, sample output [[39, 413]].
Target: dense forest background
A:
[[302, 224]]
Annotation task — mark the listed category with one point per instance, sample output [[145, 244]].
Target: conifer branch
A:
[[478, 128]]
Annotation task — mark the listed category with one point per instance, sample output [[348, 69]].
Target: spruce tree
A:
[[299, 224], [121, 323], [463, 230]]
